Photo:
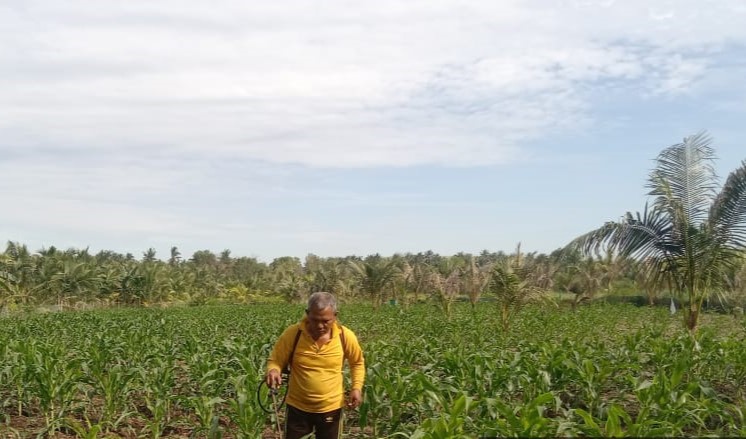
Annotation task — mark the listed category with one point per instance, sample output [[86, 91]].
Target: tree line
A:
[[689, 243], [72, 276]]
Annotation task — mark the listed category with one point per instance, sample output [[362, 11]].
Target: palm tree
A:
[[510, 283], [586, 281], [650, 285], [737, 283], [76, 280], [324, 275], [7, 279], [293, 287], [692, 235], [376, 277], [149, 255], [110, 281], [180, 282], [415, 277], [175, 256], [445, 288], [18, 274], [474, 280]]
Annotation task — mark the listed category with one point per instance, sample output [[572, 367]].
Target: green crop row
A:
[[605, 370]]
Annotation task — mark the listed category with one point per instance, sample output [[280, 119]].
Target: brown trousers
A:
[[324, 425]]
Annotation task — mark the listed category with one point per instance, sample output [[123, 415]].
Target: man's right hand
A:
[[273, 379]]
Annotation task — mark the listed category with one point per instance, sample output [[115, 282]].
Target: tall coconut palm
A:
[[693, 234], [175, 257]]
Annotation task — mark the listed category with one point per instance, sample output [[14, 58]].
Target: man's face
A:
[[320, 321]]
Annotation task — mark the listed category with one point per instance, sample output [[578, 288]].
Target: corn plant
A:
[[524, 420], [450, 424], [603, 370], [158, 383], [55, 380], [242, 408], [206, 410], [88, 430]]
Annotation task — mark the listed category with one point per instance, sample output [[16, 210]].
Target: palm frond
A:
[[727, 217], [592, 241], [639, 236], [645, 236], [684, 178]]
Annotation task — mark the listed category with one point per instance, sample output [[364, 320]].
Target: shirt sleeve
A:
[[280, 354], [355, 359]]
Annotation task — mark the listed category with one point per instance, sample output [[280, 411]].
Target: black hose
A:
[[270, 391]]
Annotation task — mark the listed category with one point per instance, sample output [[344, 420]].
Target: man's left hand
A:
[[355, 399]]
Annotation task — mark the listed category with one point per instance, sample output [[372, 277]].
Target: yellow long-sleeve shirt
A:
[[316, 381]]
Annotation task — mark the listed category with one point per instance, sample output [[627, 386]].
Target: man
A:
[[315, 350]]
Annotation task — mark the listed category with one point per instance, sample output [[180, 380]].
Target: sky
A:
[[341, 128]]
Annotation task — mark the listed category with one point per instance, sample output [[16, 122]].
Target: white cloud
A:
[[178, 122], [329, 85]]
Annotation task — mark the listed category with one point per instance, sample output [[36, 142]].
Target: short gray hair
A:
[[322, 300]]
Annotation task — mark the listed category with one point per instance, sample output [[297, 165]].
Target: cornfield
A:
[[604, 370]]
